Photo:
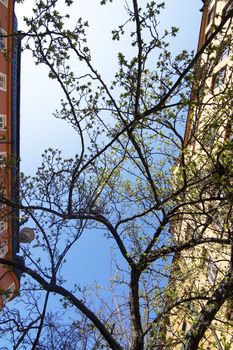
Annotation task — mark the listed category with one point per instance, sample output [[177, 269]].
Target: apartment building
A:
[[9, 147], [207, 160]]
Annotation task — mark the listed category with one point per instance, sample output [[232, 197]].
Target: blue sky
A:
[[40, 97]]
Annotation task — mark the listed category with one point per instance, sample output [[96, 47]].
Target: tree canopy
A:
[[134, 180]]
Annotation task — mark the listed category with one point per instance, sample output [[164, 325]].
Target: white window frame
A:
[[2, 81], [2, 122], [3, 40], [3, 226], [4, 2], [2, 157]]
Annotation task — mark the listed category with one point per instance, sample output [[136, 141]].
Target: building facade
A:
[[198, 271], [9, 147]]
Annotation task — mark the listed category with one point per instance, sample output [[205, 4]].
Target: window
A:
[[208, 34], [209, 134], [219, 78], [184, 326], [191, 232], [2, 204], [2, 195], [4, 2], [8, 294], [2, 122], [2, 208], [2, 81], [2, 159], [227, 9], [229, 131], [211, 2], [3, 40], [223, 52], [210, 16], [3, 249], [3, 226], [229, 311], [212, 272]]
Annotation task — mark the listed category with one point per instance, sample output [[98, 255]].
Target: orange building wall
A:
[[8, 278]]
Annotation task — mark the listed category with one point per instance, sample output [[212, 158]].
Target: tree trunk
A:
[[136, 327], [209, 311]]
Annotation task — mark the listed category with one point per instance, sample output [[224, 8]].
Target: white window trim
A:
[[3, 86], [3, 32], [4, 2], [3, 118]]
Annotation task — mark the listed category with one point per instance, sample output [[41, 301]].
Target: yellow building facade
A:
[[198, 271]]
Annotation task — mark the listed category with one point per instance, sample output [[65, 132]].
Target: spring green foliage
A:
[[132, 179]]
